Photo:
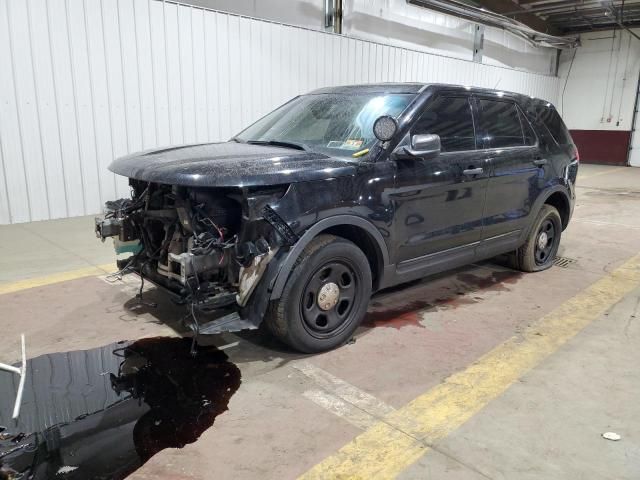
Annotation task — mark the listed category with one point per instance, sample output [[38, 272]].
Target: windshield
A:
[[334, 124]]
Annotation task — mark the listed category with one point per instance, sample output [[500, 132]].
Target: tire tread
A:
[[524, 257], [275, 320]]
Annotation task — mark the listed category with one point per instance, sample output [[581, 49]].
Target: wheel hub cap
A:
[[328, 296], [542, 240]]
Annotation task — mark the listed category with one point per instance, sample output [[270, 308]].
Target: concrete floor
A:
[[292, 412]]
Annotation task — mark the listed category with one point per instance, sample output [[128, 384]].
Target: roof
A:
[[413, 88], [373, 88]]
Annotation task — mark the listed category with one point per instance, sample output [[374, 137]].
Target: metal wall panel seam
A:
[[166, 67], [110, 92], [75, 105], [93, 102], [202, 79], [236, 86], [211, 76], [199, 96], [181, 76], [266, 41], [153, 77], [242, 61], [17, 98], [57, 109], [219, 19], [4, 180], [205, 39], [252, 73], [37, 98], [124, 82], [137, 52], [228, 63], [193, 61]]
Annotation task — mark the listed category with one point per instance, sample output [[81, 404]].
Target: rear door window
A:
[[529, 135], [451, 119], [500, 124]]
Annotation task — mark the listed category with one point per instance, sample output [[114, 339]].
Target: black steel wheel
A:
[[328, 298], [541, 246], [545, 242], [325, 297]]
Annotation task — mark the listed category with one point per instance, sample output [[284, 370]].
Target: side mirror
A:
[[425, 146]]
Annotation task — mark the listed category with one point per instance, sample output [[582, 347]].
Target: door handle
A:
[[473, 171], [538, 162]]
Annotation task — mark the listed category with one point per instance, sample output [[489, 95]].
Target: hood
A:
[[230, 164]]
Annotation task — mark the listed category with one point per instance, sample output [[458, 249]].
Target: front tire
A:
[[325, 297], [543, 241]]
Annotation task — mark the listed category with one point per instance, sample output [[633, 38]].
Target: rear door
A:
[[516, 171]]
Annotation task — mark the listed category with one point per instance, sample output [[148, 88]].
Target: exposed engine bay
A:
[[208, 247]]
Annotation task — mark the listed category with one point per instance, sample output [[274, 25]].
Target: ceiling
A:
[[559, 17]]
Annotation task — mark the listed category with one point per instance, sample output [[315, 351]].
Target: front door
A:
[[439, 201], [517, 171]]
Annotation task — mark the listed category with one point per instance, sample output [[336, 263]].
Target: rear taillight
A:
[[577, 155]]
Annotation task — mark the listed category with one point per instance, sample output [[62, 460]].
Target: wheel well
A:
[[364, 242], [560, 202]]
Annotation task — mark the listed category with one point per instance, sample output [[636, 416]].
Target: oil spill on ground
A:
[[402, 309], [397, 318], [497, 281], [104, 412]]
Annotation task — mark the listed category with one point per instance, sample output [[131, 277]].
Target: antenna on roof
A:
[[496, 85]]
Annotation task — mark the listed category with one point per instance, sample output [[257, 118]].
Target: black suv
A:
[[339, 193]]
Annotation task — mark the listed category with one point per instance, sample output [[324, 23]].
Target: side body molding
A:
[[312, 232]]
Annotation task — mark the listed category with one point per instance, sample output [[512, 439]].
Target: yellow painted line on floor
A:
[[10, 287], [392, 445], [617, 169]]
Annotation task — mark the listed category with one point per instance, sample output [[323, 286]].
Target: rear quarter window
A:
[[551, 119]]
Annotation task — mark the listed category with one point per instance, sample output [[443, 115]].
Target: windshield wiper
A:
[[278, 143]]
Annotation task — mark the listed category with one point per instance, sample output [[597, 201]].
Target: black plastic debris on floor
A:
[[104, 412]]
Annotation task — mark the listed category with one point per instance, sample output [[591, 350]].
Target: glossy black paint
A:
[[418, 215], [230, 164]]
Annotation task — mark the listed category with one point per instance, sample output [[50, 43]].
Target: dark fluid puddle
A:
[[497, 281], [104, 412], [397, 318], [402, 308]]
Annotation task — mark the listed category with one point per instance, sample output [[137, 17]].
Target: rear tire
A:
[[541, 247], [325, 297]]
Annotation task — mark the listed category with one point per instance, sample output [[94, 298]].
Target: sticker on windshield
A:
[[353, 143], [349, 144]]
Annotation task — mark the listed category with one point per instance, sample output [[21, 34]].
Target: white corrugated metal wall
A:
[[84, 81]]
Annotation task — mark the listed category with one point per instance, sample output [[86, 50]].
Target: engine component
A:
[[108, 227], [186, 265], [116, 223], [192, 242], [247, 251], [220, 210]]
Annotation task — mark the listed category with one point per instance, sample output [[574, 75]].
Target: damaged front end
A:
[[210, 248]]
